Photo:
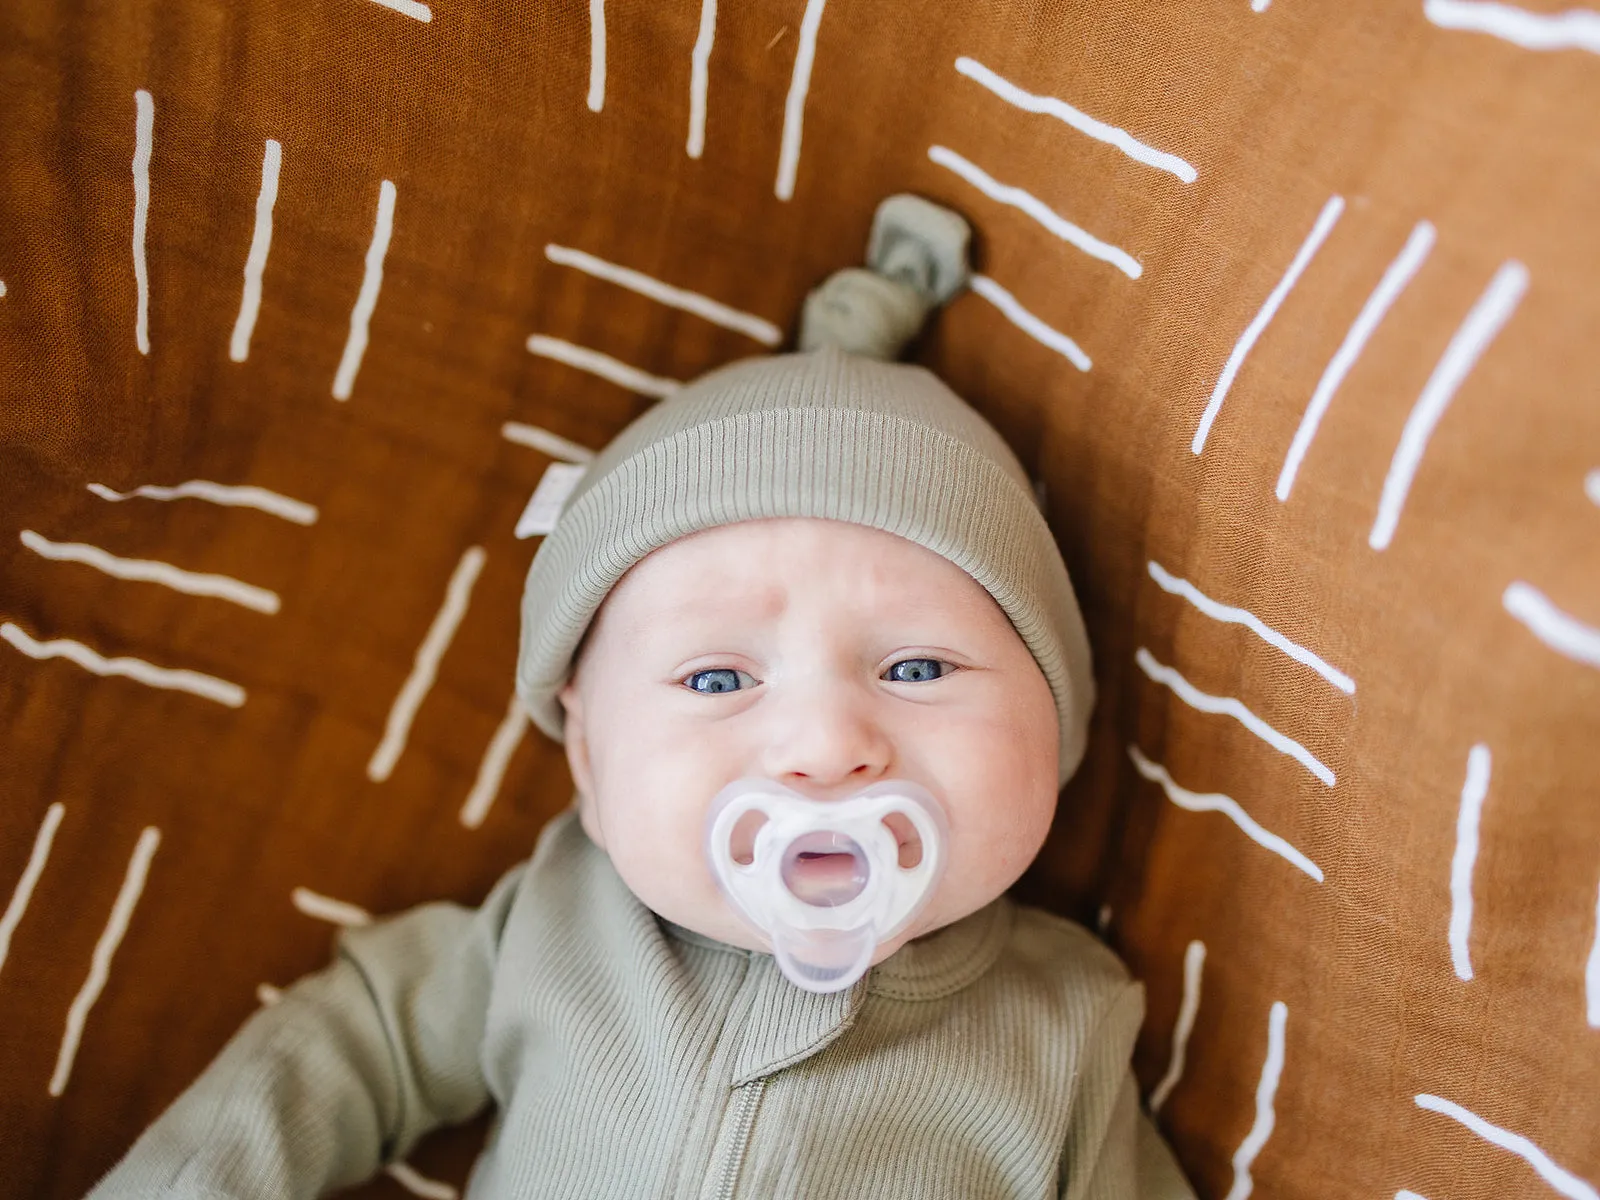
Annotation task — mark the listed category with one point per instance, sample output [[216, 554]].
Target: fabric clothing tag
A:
[[544, 506]]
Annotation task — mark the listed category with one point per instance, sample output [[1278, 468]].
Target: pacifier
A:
[[822, 880]]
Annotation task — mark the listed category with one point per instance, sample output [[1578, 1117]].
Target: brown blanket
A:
[[1340, 808]]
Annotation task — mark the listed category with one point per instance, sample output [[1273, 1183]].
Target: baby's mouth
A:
[[829, 873], [742, 841], [824, 869]]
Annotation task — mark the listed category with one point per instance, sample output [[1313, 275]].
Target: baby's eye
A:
[[917, 670], [717, 680]]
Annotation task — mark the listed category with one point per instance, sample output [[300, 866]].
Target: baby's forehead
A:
[[760, 557], [763, 569]]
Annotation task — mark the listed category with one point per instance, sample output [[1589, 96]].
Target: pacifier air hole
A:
[[742, 838], [906, 837], [824, 869]]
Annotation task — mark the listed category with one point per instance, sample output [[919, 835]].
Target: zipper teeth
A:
[[744, 1118]]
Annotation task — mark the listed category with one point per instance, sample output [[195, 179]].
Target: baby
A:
[[818, 578]]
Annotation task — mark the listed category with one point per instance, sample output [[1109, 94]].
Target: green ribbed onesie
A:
[[628, 1057]]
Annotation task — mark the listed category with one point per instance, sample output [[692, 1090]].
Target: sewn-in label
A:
[[544, 506]]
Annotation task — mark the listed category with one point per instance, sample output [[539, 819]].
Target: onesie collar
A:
[[947, 960], [931, 967]]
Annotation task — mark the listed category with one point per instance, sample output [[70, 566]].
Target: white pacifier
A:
[[823, 879]]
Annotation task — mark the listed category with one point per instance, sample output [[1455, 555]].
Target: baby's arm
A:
[[1113, 1152], [345, 1073]]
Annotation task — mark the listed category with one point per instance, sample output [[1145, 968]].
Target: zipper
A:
[[745, 1099]]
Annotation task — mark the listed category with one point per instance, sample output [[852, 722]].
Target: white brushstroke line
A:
[[700, 77], [1326, 219], [1228, 706], [145, 570], [410, 8], [492, 770], [1394, 281], [426, 666], [208, 686], [1591, 485], [1015, 197], [144, 126], [1563, 633], [1488, 315], [355, 345], [267, 995], [1228, 807], [1266, 1093], [100, 961], [1079, 120], [1238, 616], [246, 496], [1591, 973], [326, 908], [711, 310], [2, 287], [552, 444], [602, 365], [23, 892], [418, 1184], [1577, 28], [1028, 323], [1562, 1180], [260, 246], [1466, 855], [1194, 959], [1259, 5], [597, 55], [794, 106], [1407, 1194]]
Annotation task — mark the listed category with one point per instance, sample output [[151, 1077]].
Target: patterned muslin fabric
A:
[[1288, 309]]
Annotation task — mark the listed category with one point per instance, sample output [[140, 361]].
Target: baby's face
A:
[[823, 655]]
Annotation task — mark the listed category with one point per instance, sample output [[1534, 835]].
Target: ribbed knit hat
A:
[[819, 434]]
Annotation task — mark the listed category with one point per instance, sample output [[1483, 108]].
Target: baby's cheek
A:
[[1026, 832], [987, 857], [666, 875], [1022, 781]]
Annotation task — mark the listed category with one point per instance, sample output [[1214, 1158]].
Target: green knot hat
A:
[[819, 434]]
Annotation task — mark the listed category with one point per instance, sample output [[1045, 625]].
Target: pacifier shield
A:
[[826, 882]]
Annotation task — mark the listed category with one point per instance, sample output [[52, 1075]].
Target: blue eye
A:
[[918, 670], [717, 680]]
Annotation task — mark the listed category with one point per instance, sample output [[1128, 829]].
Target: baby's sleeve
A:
[[344, 1073], [1113, 1152]]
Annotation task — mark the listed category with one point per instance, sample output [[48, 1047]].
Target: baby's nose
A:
[[830, 786], [828, 751]]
